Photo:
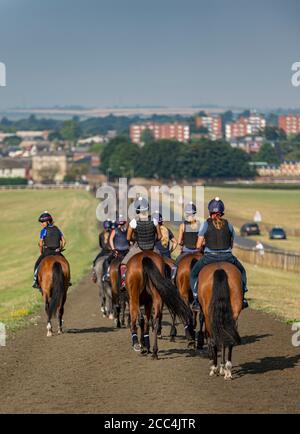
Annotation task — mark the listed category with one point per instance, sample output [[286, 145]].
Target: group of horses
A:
[[149, 285]]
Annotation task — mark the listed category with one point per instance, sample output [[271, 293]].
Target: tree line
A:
[[169, 159]]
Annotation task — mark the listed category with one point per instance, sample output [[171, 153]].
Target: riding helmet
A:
[[107, 224], [45, 217], [216, 206], [121, 220], [157, 216], [141, 204], [190, 209]]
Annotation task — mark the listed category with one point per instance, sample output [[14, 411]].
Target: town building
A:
[[49, 167], [285, 170], [213, 124], [290, 124], [251, 145], [245, 126], [176, 131], [14, 168]]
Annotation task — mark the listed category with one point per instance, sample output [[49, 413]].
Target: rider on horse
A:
[[217, 235], [143, 230], [51, 242], [118, 243], [103, 244], [167, 237], [188, 235]]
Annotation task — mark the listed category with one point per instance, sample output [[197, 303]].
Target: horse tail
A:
[[223, 326], [58, 288], [168, 293]]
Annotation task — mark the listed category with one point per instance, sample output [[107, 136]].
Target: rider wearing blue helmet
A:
[[51, 242], [216, 235]]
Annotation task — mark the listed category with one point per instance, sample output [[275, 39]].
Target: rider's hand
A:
[[115, 253]]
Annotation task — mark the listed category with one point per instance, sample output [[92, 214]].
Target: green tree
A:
[[268, 154], [70, 130], [147, 136]]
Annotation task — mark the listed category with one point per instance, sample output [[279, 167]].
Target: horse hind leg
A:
[[228, 366], [173, 331], [60, 318], [214, 368], [49, 326]]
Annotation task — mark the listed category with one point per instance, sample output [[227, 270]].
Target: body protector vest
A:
[[190, 236], [120, 240], [146, 234], [52, 239], [218, 239]]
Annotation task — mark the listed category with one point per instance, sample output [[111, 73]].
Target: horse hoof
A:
[[49, 334], [102, 309], [154, 356], [222, 371], [191, 345], [111, 316], [213, 371], [137, 348], [119, 325], [159, 336], [172, 339]]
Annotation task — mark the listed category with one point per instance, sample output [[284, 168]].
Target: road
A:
[[92, 368]]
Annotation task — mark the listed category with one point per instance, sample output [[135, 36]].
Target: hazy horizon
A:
[[175, 53]]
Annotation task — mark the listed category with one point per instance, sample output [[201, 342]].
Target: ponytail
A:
[[218, 221]]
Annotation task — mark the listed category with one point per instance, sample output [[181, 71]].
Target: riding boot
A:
[[195, 305], [173, 273], [94, 276], [123, 269], [35, 280]]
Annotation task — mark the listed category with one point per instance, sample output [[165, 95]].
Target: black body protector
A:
[[190, 236], [146, 234], [52, 239], [218, 239]]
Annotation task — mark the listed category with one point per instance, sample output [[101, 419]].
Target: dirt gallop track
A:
[[91, 368]]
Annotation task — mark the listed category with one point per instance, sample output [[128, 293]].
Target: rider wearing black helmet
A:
[[143, 230], [105, 249], [51, 242], [217, 235]]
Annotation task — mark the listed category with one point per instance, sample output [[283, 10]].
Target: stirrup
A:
[[196, 306]]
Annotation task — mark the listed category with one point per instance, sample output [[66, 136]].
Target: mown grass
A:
[[74, 211]]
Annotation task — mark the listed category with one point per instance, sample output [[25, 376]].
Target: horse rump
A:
[[223, 326], [167, 291], [58, 288]]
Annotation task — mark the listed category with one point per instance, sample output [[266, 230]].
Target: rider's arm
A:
[[200, 243], [41, 243], [111, 239], [201, 233], [63, 242], [173, 241], [129, 233], [180, 234], [158, 233]]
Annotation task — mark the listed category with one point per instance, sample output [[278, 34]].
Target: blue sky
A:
[[160, 52]]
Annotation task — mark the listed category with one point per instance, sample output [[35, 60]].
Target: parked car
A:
[[250, 229], [277, 233]]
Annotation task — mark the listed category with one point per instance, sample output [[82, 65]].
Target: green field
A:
[[74, 212]]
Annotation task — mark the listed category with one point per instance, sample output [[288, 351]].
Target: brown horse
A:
[[220, 296], [54, 279], [147, 285], [183, 284], [119, 295]]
